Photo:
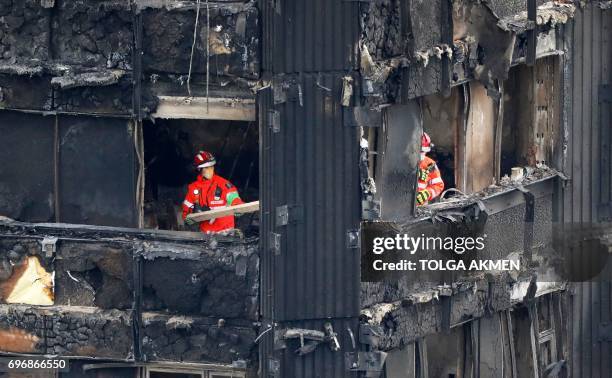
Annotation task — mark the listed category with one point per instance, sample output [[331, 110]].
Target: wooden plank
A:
[[244, 208], [480, 140], [178, 107]]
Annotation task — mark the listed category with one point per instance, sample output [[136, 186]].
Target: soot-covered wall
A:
[[192, 298], [71, 169]]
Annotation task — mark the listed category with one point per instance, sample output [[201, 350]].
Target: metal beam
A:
[[230, 109]]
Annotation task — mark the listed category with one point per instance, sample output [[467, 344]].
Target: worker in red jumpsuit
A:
[[430, 184], [209, 192]]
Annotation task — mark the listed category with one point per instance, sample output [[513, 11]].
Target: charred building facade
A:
[[315, 108]]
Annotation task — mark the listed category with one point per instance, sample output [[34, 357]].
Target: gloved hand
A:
[[422, 197], [190, 221], [422, 174]]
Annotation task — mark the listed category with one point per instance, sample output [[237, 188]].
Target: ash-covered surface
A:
[[199, 281], [66, 331], [421, 80], [506, 185], [82, 32], [426, 24], [199, 294], [78, 56], [93, 33], [25, 92], [232, 36], [208, 276], [506, 8], [548, 14], [405, 320], [94, 274], [25, 30], [196, 339], [381, 25], [111, 99]]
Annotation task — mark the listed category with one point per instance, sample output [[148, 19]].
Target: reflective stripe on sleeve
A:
[[230, 197], [187, 203], [435, 180], [422, 185]]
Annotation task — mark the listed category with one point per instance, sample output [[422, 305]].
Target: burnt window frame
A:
[[177, 108], [549, 64], [203, 371]]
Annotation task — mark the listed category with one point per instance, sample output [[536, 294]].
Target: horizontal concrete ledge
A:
[[231, 109]]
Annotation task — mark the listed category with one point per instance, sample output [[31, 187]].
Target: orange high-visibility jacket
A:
[[213, 193], [434, 183]]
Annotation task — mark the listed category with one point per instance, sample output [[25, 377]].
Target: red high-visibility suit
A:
[[433, 184], [214, 193]]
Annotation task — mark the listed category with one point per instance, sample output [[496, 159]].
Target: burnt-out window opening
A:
[[531, 116], [439, 355], [462, 130], [445, 353], [537, 335], [170, 147], [443, 121], [67, 169], [461, 127], [401, 363]]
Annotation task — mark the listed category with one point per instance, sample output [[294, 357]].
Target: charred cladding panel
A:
[[93, 33], [311, 159], [404, 127], [66, 331], [26, 171], [587, 117], [309, 35], [97, 171], [233, 35]]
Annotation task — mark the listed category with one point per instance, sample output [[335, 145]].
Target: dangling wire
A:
[[193, 45], [207, 51]]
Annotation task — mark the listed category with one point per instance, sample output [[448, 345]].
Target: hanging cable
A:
[[193, 45], [207, 51]]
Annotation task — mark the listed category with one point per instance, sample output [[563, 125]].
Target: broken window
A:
[[401, 363], [530, 116], [537, 334], [169, 150], [479, 135], [461, 127], [68, 169], [444, 355], [443, 120]]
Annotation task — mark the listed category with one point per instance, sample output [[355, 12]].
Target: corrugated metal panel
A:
[[309, 35], [311, 166], [329, 363], [309, 169], [588, 117], [587, 121]]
